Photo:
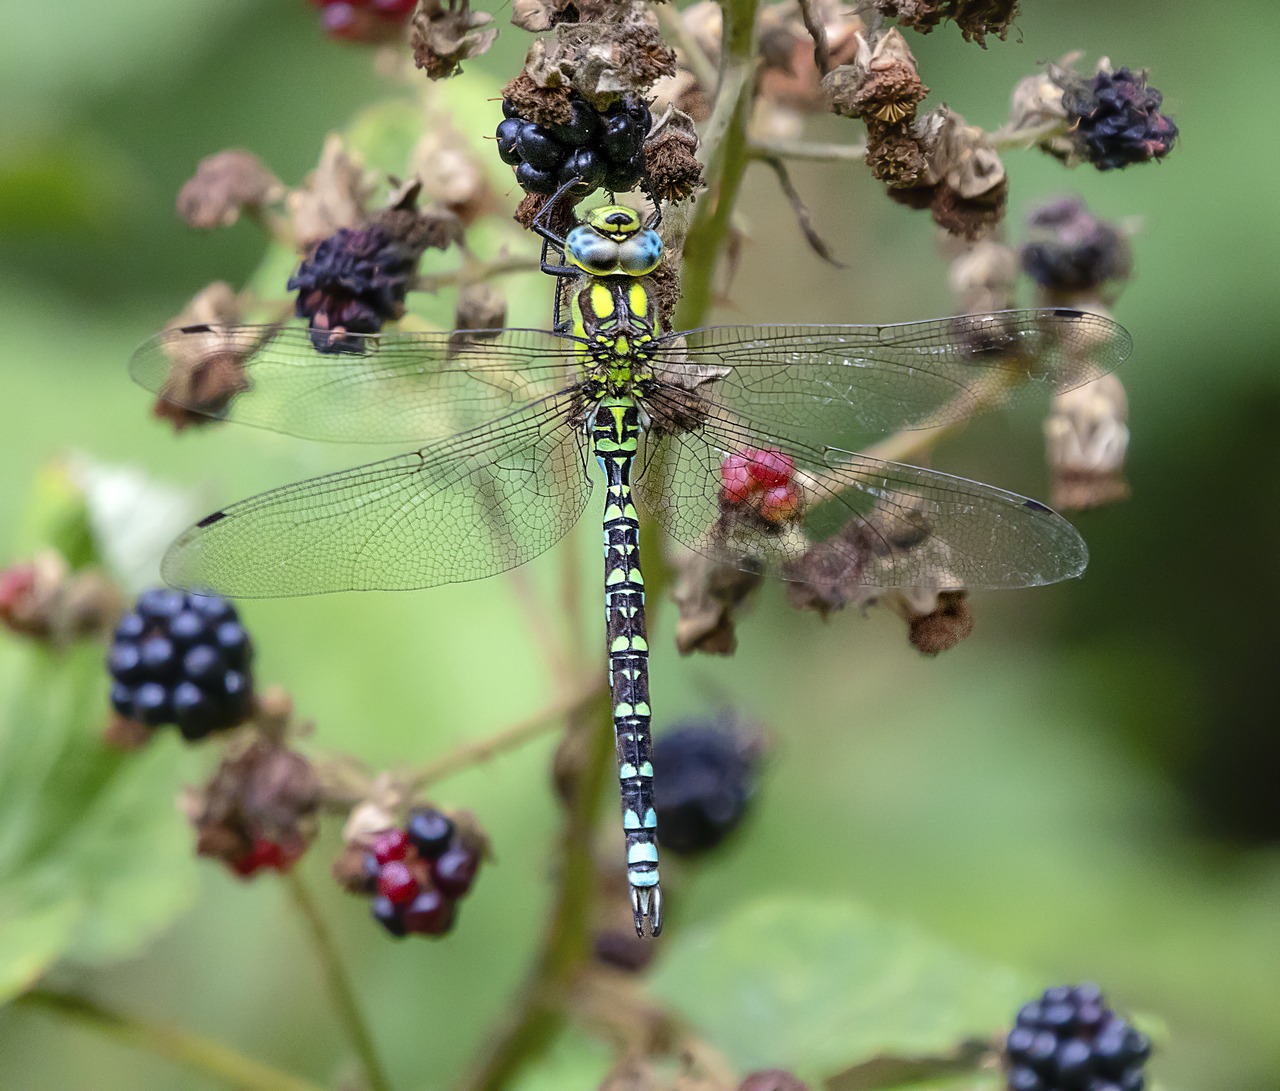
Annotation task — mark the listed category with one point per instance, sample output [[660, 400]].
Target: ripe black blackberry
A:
[[598, 148], [1115, 119], [1069, 1040], [181, 659], [417, 874], [704, 776]]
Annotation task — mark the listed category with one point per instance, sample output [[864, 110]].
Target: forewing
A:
[[842, 385], [863, 523], [467, 507], [382, 388]]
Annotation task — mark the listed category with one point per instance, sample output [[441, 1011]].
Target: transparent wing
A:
[[389, 387], [843, 384], [861, 522], [464, 508]]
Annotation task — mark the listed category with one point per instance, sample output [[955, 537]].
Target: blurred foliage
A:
[[1083, 790]]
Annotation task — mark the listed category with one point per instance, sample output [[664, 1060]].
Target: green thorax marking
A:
[[615, 318]]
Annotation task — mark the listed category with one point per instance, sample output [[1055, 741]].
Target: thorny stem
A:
[[540, 1011], [725, 134], [481, 750], [192, 1050], [340, 989]]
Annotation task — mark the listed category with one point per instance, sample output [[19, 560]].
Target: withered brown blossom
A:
[[936, 630], [444, 35], [206, 368], [1087, 436], [334, 195], [975, 18], [225, 185], [709, 595], [672, 171], [45, 600], [262, 793], [882, 84]]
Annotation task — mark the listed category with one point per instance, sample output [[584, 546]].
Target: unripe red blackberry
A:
[[417, 873], [181, 659], [1069, 1040]]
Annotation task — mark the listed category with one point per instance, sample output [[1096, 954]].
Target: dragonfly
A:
[[740, 442]]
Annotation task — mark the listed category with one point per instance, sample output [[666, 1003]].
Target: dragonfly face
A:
[[738, 441]]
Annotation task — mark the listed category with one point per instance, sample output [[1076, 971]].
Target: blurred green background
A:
[[1085, 789]]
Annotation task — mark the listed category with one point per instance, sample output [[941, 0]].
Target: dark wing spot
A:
[[1068, 312], [1035, 505], [209, 520], [202, 328]]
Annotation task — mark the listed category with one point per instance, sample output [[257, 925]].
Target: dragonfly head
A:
[[613, 241]]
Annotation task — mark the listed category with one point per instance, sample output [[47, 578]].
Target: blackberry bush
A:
[[181, 659], [1069, 1039], [601, 149]]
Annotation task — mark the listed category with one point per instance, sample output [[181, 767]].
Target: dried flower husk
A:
[[262, 791], [937, 621], [599, 60], [672, 170], [334, 195], [206, 368], [882, 84], [983, 276], [1087, 439], [709, 595], [444, 35], [225, 185], [45, 600], [975, 18]]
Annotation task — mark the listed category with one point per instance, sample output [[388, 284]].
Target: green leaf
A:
[[93, 857], [819, 986]]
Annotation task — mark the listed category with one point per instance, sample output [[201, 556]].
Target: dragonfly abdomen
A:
[[614, 429]]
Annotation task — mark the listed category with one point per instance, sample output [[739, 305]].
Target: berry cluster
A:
[[704, 775], [600, 149], [181, 659], [364, 20], [760, 481], [418, 873], [1075, 251], [1069, 1039], [1116, 119], [353, 282]]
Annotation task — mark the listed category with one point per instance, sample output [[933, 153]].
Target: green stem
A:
[[192, 1050], [725, 134], [566, 946], [339, 985]]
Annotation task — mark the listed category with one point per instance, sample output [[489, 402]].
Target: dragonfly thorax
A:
[[615, 321], [611, 241]]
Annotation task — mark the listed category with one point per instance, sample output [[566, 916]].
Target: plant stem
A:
[[339, 985], [798, 149], [539, 1015], [472, 272], [192, 1050], [726, 135], [473, 753]]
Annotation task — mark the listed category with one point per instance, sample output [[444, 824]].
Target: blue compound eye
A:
[[591, 251], [641, 253]]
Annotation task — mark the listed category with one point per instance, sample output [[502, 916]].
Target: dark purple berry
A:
[[620, 139], [389, 915], [585, 165], [124, 661], [509, 108], [231, 637], [158, 657], [211, 608], [532, 180], [235, 685], [151, 704], [582, 127], [1022, 1078], [131, 627], [539, 149], [429, 914], [122, 699], [160, 603], [507, 133], [704, 774], [193, 709], [430, 831], [186, 628], [203, 663], [455, 871]]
